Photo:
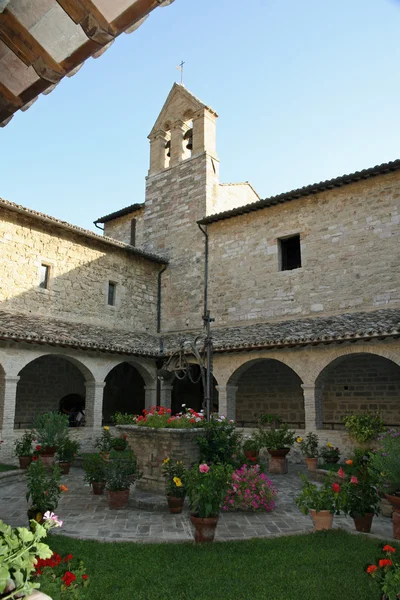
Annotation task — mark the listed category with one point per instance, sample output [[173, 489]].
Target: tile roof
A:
[[308, 190], [301, 332], [42, 330], [120, 213], [78, 230]]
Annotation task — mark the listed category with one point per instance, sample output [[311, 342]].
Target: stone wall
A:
[[362, 383], [42, 384], [120, 228], [349, 255], [270, 387], [152, 446], [80, 270]]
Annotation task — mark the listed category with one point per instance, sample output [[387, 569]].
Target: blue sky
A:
[[305, 91]]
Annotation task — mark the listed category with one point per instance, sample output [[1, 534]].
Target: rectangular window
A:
[[112, 288], [44, 276], [290, 253], [133, 232]]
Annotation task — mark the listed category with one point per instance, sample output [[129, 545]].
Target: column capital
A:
[[95, 384], [228, 388], [12, 378]]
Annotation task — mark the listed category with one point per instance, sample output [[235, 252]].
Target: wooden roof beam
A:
[[28, 49], [87, 15], [134, 13]]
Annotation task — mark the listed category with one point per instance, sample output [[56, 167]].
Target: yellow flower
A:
[[177, 482], [329, 445], [165, 461], [106, 428], [299, 440]]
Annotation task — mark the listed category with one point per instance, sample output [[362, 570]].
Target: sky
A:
[[305, 91]]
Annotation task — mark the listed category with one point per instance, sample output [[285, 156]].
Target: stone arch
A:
[[358, 381], [191, 394], [124, 390], [267, 385], [44, 381], [147, 372]]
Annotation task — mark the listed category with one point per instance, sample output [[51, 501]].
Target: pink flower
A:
[[204, 468], [341, 473], [353, 479]]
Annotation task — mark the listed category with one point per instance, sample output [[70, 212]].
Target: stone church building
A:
[[304, 288]]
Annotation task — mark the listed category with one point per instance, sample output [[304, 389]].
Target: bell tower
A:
[[181, 188]]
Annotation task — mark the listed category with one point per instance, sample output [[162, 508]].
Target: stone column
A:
[[150, 396], [227, 400], [312, 406], [165, 393], [158, 152], [7, 404], [94, 403], [204, 134], [178, 130]]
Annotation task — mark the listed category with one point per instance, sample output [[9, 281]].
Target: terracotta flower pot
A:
[[311, 463], [322, 519], [24, 461], [278, 464], [98, 487], [65, 467], [118, 500], [46, 456], [105, 455], [363, 524], [175, 505], [204, 529]]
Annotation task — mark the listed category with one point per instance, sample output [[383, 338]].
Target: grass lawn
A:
[[7, 468], [321, 566]]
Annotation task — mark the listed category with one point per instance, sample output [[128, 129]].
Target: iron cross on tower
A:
[[180, 67]]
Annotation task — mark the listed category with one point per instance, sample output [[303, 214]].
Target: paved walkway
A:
[[88, 517]]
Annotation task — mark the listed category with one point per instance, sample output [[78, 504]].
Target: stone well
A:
[[151, 446]]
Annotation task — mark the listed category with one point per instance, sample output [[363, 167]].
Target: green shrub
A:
[[363, 427], [50, 429], [221, 442]]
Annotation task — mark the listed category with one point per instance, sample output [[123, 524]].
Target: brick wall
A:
[[80, 270], [42, 384], [269, 387], [349, 255], [362, 383]]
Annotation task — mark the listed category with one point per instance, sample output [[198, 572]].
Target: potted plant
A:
[[175, 484], [119, 443], [120, 473], [44, 490], [387, 574], [278, 442], [50, 429], [221, 441], [309, 449], [94, 466], [321, 501], [330, 454], [363, 428], [360, 499], [251, 448], [23, 449], [104, 442], [207, 487], [269, 420], [66, 453], [385, 460]]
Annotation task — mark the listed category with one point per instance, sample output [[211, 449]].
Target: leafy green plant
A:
[[272, 420], [324, 497], [385, 460], [23, 446], [360, 495], [121, 472], [207, 488], [44, 487], [251, 444], [50, 429], [175, 475], [387, 574], [94, 466], [330, 453], [221, 442], [67, 450], [276, 439], [363, 427], [120, 418], [104, 441], [119, 443], [19, 548], [62, 578], [309, 445]]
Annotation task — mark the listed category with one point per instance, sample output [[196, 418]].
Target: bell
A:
[[168, 148], [189, 137]]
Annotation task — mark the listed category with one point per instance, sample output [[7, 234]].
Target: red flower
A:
[[68, 557], [68, 578], [85, 576], [34, 457], [193, 420], [341, 473], [372, 569], [354, 480], [38, 447], [388, 548], [336, 488], [385, 562]]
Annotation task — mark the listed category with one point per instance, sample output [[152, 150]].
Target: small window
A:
[[133, 232], [290, 253], [112, 289], [44, 276]]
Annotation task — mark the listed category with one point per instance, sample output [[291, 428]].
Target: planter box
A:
[[152, 446]]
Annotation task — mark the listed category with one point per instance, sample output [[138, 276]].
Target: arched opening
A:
[[124, 392], [267, 386], [184, 391], [43, 384], [357, 383]]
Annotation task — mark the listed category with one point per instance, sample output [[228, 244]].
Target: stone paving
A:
[[88, 517]]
